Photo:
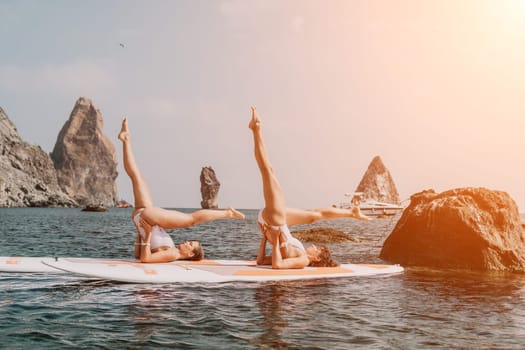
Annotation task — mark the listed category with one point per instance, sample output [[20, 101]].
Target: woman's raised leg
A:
[[141, 193], [171, 219], [299, 216], [143, 201], [274, 212]]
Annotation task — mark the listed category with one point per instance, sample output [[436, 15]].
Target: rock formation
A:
[[377, 183], [85, 158], [323, 235], [473, 228], [209, 188], [27, 175]]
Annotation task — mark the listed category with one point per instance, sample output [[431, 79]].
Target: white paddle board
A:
[[25, 264], [206, 270]]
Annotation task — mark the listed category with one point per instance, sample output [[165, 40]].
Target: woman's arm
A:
[[138, 243], [145, 250], [262, 259], [287, 263], [161, 256]]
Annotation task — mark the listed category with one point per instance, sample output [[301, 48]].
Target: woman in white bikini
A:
[[153, 243], [287, 251]]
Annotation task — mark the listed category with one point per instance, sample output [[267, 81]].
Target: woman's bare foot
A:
[[255, 123], [235, 214], [356, 214], [124, 132]]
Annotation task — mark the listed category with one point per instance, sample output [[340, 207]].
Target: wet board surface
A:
[[206, 270]]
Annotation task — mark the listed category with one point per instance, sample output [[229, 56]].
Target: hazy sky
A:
[[436, 88]]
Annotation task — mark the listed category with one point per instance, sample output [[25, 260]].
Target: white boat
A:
[[370, 207]]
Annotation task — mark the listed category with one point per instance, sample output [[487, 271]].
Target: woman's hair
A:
[[325, 258], [198, 253]]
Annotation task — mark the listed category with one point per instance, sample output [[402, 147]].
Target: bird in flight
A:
[[121, 44]]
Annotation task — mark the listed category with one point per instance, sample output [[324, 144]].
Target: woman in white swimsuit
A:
[[287, 251], [153, 243]]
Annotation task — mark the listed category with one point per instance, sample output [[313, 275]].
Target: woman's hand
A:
[[273, 236], [147, 227]]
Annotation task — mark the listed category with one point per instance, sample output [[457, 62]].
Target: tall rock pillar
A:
[[85, 158], [209, 188]]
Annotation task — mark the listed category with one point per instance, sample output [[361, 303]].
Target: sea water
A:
[[419, 309]]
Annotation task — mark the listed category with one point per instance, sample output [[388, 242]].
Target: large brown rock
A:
[[209, 188], [473, 228], [27, 175], [377, 183], [85, 158]]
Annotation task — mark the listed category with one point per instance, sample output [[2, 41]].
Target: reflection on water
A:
[[289, 307], [145, 311], [273, 301], [470, 285], [484, 307]]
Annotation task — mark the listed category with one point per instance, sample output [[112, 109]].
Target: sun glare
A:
[[510, 14]]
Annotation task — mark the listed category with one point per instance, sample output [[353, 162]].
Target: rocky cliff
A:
[[209, 188], [473, 228], [27, 175], [85, 158], [377, 183]]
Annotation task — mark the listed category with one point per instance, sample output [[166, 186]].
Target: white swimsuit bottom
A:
[[286, 232], [159, 237]]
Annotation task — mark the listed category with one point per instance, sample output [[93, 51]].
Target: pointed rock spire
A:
[[378, 184], [85, 158]]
